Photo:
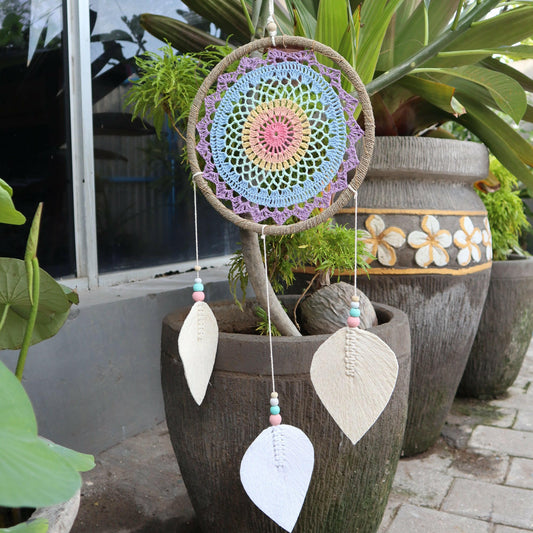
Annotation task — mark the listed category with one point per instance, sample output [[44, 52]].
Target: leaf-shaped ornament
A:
[[197, 345], [276, 470], [354, 374]]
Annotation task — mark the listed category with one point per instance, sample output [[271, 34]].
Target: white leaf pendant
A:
[[354, 374], [276, 470], [197, 346]]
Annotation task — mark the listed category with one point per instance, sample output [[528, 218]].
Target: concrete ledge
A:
[[97, 381]]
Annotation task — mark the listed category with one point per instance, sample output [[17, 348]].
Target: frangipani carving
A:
[[467, 239], [430, 243], [381, 241]]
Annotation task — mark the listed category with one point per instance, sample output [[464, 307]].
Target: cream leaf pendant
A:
[[197, 345], [354, 374], [276, 470]]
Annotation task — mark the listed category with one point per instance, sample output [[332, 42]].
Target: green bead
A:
[[274, 410], [355, 312]]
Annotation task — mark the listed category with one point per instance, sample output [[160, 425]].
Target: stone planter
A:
[[504, 331], [428, 229], [61, 516], [350, 484]]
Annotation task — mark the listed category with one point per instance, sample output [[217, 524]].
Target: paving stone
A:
[[422, 483], [413, 519], [505, 441], [507, 529], [483, 465], [524, 420], [497, 503], [391, 511], [456, 436], [514, 398], [520, 473]]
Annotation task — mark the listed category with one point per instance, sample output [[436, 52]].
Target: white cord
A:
[[195, 221], [263, 236], [355, 244], [271, 23]]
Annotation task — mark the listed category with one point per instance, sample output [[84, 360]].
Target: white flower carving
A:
[[381, 241], [486, 239], [431, 243], [467, 239]]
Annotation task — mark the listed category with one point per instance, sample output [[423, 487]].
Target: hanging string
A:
[[271, 24], [355, 244], [196, 217], [263, 236]]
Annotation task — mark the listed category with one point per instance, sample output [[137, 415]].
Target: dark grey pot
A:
[[350, 484], [504, 332], [411, 178]]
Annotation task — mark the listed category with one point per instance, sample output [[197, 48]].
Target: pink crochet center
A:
[[276, 135]]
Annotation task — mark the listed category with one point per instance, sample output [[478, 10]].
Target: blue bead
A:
[[355, 312], [198, 287], [355, 305], [274, 410]]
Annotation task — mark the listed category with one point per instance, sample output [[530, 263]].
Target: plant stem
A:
[[401, 70], [426, 25], [31, 320], [457, 15], [248, 19], [4, 316]]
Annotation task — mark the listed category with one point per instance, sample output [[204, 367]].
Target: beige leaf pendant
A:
[[197, 345], [354, 374]]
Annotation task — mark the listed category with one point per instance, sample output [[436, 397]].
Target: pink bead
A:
[[353, 321], [198, 296], [275, 420]]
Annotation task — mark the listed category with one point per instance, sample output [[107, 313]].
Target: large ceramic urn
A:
[[429, 232], [504, 332], [350, 484]]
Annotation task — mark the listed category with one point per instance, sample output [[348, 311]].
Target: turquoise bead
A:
[[198, 287], [355, 312], [274, 410]]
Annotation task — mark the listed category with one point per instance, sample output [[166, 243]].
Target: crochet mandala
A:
[[278, 136]]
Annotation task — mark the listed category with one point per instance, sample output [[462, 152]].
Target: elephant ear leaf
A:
[[8, 213], [15, 305], [40, 525]]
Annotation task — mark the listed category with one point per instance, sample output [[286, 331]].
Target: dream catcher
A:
[[277, 140]]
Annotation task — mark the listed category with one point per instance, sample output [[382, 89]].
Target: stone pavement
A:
[[478, 478]]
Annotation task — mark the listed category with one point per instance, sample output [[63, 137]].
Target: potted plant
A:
[[338, 487], [35, 472], [424, 64], [506, 324]]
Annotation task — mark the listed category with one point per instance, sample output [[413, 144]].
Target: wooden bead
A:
[[197, 268], [271, 27], [274, 395]]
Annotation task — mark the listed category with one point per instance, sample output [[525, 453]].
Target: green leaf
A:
[[375, 18], [32, 474], [507, 93], [438, 94], [81, 462], [506, 144], [494, 64], [8, 213], [15, 305], [72, 296], [40, 525], [181, 36], [503, 29], [332, 21], [226, 14], [305, 20]]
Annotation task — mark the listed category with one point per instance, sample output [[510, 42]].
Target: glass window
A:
[[34, 155], [144, 200]]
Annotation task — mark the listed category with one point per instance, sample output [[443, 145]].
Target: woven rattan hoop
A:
[[365, 157]]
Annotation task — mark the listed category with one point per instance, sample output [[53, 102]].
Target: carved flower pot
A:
[[428, 229], [504, 331], [350, 484]]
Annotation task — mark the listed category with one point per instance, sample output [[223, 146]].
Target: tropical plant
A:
[[505, 213], [424, 62], [33, 307]]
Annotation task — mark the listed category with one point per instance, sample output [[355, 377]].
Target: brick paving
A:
[[479, 475], [478, 478]]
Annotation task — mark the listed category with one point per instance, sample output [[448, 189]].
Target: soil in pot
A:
[[350, 484]]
